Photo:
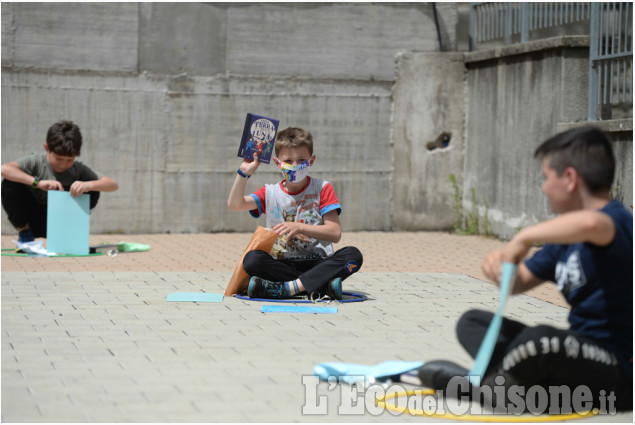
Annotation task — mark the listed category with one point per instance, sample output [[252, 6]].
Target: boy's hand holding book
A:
[[250, 166]]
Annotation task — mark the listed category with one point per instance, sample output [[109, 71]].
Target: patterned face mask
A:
[[291, 173]]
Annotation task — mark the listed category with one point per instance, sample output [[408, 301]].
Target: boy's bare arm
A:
[[492, 267], [330, 231], [577, 226], [574, 227], [237, 200], [12, 172], [104, 184]]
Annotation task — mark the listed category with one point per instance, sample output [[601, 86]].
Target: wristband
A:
[[241, 174], [36, 181]]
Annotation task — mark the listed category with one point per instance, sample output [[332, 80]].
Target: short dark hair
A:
[[64, 138], [587, 150], [294, 137]]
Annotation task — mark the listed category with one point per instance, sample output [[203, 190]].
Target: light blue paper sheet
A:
[[67, 223], [195, 297], [484, 354], [351, 372], [297, 309]]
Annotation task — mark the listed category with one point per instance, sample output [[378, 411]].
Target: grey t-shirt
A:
[[38, 166]]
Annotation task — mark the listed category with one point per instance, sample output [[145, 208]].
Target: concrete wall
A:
[[519, 96], [428, 100], [161, 90]]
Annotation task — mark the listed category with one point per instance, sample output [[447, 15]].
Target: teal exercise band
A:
[[484, 355]]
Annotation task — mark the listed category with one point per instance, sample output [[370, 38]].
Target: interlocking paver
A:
[[92, 339]]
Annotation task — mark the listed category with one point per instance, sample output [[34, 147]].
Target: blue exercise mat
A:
[[297, 309]]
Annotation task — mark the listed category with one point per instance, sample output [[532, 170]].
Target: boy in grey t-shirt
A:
[[27, 180]]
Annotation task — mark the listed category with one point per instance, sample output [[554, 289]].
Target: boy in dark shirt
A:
[[588, 252]]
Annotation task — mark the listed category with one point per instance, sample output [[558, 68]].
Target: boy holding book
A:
[[304, 212], [27, 180], [588, 252]]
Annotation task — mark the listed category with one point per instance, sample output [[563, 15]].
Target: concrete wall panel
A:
[[337, 40], [7, 34], [424, 108], [513, 104], [76, 36], [175, 39]]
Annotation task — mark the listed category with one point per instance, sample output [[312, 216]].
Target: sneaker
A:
[[333, 290], [261, 288], [25, 236], [438, 373]]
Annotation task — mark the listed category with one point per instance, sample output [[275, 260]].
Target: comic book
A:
[[259, 135]]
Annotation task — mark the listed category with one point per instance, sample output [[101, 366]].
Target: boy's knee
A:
[[94, 198], [252, 260], [470, 317], [354, 258], [11, 189]]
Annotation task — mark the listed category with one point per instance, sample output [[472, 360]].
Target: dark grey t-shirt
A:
[[38, 166]]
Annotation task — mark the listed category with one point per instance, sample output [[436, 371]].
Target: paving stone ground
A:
[[92, 339]]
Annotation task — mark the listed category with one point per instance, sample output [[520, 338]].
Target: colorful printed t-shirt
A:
[[308, 205]]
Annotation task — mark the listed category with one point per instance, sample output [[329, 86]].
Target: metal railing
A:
[[515, 22], [610, 58], [609, 25]]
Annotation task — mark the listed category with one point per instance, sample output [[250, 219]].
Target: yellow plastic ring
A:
[[381, 401]]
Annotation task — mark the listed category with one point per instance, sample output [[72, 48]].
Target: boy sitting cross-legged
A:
[[588, 252], [304, 212]]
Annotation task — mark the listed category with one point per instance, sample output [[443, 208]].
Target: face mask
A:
[[294, 174]]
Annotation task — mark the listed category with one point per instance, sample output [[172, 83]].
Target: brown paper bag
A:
[[262, 239]]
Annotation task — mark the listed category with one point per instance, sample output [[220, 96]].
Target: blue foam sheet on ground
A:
[[195, 297], [351, 372], [297, 309], [68, 223]]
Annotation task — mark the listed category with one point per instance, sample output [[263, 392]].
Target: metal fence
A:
[[610, 58], [515, 22], [609, 25]]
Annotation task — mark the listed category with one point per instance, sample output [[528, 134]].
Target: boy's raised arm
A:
[[237, 200]]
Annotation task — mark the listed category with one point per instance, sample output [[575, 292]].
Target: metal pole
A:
[[593, 52], [524, 16]]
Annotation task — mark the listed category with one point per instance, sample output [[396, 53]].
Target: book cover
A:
[[259, 135]]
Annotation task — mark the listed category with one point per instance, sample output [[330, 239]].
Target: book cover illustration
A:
[[259, 136]]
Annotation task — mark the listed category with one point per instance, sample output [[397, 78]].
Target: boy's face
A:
[[59, 163], [556, 188], [295, 156]]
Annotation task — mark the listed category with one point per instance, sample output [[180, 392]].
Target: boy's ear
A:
[[312, 160], [276, 160], [573, 179], [46, 147]]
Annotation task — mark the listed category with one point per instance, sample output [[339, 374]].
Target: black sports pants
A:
[[314, 273], [546, 356], [22, 208]]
